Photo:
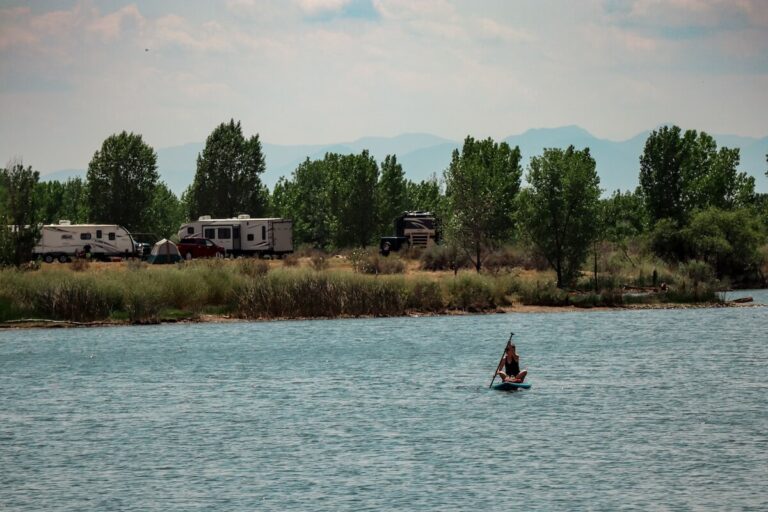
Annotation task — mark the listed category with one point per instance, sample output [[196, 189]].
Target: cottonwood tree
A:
[[558, 211], [331, 201], [122, 177], [481, 185], [303, 198], [392, 193], [681, 172], [228, 177], [56, 201], [19, 231]]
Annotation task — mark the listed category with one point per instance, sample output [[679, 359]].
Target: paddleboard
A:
[[512, 386]]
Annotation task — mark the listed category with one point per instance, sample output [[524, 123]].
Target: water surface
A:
[[647, 410]]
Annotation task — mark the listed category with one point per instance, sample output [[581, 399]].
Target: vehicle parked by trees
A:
[[243, 235], [194, 247], [412, 229], [65, 240]]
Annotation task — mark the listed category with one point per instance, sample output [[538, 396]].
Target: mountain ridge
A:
[[423, 155]]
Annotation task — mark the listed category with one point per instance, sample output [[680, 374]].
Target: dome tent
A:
[[164, 251]]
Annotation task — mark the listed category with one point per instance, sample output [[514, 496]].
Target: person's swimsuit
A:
[[511, 368]]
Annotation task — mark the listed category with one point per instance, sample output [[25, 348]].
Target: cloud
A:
[[110, 27]]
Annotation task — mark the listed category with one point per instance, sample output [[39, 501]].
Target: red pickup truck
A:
[[199, 248]]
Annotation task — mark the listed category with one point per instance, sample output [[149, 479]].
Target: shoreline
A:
[[42, 323]]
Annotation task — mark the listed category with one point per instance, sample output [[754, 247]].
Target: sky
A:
[[73, 72]]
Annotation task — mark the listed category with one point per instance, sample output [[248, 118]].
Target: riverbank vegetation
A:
[[348, 284], [693, 226]]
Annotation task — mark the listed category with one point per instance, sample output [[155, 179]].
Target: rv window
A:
[[250, 237], [210, 233], [263, 232], [66, 237], [85, 236], [98, 233], [190, 230], [111, 236], [224, 234]]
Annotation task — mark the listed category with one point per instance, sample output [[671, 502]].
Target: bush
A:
[[252, 267], [444, 257], [425, 295], [471, 292], [319, 262], [292, 260], [369, 262]]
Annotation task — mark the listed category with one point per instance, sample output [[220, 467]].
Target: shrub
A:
[[319, 262], [252, 267], [292, 260], [470, 292], [444, 257], [425, 295]]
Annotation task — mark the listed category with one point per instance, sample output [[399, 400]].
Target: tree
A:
[[122, 177], [392, 193], [304, 198], [683, 172], [425, 196], [19, 231], [481, 185], [352, 193], [228, 177], [166, 212], [56, 201], [559, 208], [727, 240], [331, 201]]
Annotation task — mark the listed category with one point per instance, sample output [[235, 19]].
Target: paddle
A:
[[502, 358]]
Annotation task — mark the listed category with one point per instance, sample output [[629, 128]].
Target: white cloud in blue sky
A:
[[316, 71]]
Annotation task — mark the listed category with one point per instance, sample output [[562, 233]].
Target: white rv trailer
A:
[[243, 235], [64, 240]]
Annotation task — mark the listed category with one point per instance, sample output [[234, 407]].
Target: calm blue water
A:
[[646, 410]]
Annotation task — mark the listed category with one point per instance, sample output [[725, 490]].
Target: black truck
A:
[[412, 229]]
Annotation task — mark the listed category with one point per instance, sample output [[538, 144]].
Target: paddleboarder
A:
[[510, 363]]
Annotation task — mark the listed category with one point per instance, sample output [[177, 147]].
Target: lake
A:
[[645, 409]]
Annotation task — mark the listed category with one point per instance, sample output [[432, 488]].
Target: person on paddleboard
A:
[[511, 364]]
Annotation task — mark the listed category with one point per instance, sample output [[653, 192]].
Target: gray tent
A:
[[164, 251]]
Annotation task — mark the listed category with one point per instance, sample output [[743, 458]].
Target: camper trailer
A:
[[243, 235], [64, 240]]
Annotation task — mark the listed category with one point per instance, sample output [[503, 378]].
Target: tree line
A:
[[691, 202]]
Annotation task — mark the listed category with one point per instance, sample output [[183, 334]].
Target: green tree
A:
[[122, 177], [167, 212], [392, 193], [304, 198], [683, 172], [352, 198], [481, 185], [228, 177], [425, 196], [559, 209], [727, 240], [56, 201], [19, 231], [331, 201]]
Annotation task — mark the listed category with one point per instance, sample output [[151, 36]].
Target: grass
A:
[[360, 283]]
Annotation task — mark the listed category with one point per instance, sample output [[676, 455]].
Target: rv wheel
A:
[[48, 258], [188, 256], [63, 258]]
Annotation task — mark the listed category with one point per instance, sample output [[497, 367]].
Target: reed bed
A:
[[320, 288]]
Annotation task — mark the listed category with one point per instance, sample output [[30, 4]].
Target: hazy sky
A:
[[319, 71]]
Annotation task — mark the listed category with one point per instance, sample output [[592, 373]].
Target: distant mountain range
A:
[[423, 155]]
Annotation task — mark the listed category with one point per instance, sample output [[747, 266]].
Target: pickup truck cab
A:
[[199, 248]]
